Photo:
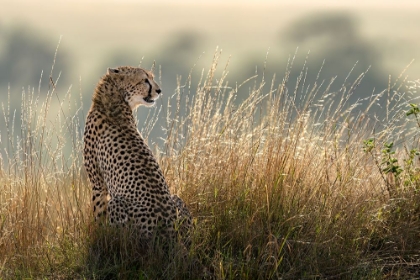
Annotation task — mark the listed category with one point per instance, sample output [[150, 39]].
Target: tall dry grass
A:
[[44, 198], [280, 185]]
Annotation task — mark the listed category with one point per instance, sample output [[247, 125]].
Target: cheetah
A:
[[128, 186]]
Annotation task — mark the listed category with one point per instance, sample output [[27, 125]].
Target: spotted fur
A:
[[128, 186]]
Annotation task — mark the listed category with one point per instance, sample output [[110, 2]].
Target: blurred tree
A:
[[24, 53], [178, 56], [336, 45], [334, 37], [334, 25]]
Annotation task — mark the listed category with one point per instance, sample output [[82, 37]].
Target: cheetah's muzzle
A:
[[149, 99]]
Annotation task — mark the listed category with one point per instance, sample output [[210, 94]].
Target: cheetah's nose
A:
[[158, 90]]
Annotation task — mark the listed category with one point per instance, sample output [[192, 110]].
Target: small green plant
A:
[[414, 110], [413, 172], [389, 162], [369, 145]]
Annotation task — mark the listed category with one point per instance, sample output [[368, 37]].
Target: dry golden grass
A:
[[279, 185]]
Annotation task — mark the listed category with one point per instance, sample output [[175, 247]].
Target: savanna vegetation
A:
[[292, 182]]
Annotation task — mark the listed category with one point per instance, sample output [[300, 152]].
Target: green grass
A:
[[280, 186]]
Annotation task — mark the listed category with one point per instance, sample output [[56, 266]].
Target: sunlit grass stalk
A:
[[279, 184]]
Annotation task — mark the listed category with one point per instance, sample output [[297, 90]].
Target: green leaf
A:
[[414, 110]]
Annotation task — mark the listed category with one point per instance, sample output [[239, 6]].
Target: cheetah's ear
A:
[[112, 71]]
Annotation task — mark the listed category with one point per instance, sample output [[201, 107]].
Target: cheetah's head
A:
[[138, 84]]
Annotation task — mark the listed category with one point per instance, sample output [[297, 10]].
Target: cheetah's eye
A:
[[145, 80]]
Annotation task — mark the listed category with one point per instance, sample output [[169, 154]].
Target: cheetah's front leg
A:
[[100, 203]]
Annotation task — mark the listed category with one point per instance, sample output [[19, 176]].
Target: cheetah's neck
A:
[[109, 100]]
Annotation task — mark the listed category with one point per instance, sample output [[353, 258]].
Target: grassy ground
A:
[[292, 183]]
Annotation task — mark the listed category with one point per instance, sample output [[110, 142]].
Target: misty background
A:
[[254, 36]]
